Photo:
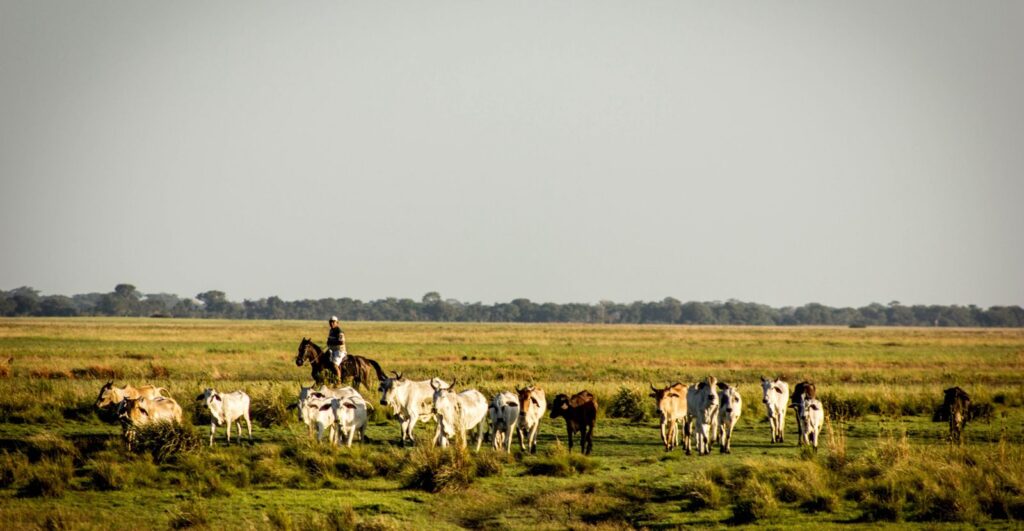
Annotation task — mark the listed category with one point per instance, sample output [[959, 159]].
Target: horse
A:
[[357, 367]]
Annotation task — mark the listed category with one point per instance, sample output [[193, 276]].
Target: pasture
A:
[[882, 458]]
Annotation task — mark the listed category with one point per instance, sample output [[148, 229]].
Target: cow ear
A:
[[778, 389], [216, 397], [143, 411], [200, 397], [702, 385], [534, 400], [723, 386], [325, 407], [350, 405]]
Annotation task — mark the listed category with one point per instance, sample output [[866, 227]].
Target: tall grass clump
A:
[[165, 441], [440, 470], [559, 462], [49, 478], [629, 403]]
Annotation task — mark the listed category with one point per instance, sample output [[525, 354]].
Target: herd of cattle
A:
[[707, 410]]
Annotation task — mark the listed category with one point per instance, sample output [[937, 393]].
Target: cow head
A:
[[771, 390], [214, 402], [729, 398], [388, 385], [663, 398], [709, 393], [445, 407], [109, 396], [527, 400], [560, 407]]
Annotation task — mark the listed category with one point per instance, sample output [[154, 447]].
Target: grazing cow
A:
[[775, 394], [702, 409], [503, 414], [227, 408], [111, 396], [956, 405], [730, 406], [671, 404], [813, 417], [532, 406], [351, 415], [803, 391], [580, 414], [457, 414], [134, 412], [410, 401]]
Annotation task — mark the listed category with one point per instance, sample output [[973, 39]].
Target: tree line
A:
[[127, 301]]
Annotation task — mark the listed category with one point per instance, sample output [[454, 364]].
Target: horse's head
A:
[[304, 352]]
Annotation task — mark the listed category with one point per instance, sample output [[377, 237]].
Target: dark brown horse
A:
[[356, 367]]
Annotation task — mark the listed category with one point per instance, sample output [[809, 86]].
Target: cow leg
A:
[[248, 425], [229, 430], [589, 439], [213, 428], [686, 435], [568, 430], [782, 426]]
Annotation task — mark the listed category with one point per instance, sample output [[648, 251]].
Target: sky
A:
[[775, 152]]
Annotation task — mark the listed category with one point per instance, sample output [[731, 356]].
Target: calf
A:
[[410, 401], [671, 405], [702, 409], [730, 406], [813, 416], [307, 393], [457, 414], [532, 406], [227, 408], [323, 415], [503, 414], [775, 395], [803, 391], [580, 414], [957, 405]]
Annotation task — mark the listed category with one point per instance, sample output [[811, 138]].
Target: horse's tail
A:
[[376, 366]]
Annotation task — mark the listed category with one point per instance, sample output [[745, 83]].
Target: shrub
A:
[[702, 493], [754, 503], [192, 513], [628, 404], [107, 475], [440, 470], [165, 441], [14, 468], [271, 409]]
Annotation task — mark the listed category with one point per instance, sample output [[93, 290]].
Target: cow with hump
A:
[[226, 408], [410, 401], [580, 414], [503, 415], [730, 406], [775, 395], [802, 394], [702, 411], [532, 406], [457, 414]]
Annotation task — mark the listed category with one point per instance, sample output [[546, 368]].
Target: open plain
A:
[[882, 458]]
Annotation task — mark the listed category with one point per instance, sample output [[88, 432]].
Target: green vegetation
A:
[[63, 465]]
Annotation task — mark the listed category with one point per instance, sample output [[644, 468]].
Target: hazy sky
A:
[[778, 152]]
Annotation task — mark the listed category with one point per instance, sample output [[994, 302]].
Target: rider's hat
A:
[[332, 319]]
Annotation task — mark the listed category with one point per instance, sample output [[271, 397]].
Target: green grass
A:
[[63, 465]]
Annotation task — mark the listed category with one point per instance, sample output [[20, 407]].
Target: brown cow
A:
[[580, 413], [532, 405], [671, 404], [957, 406], [803, 391]]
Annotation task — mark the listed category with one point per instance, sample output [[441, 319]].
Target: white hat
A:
[[333, 318]]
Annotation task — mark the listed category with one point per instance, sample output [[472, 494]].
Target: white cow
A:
[[351, 416], [457, 414], [134, 412], [775, 398], [227, 408], [532, 406], [322, 414], [730, 406], [503, 414], [410, 401], [307, 393], [702, 409], [813, 418]]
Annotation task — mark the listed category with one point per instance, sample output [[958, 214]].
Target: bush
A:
[[165, 441], [192, 513], [628, 404], [702, 493], [48, 478], [271, 409], [754, 503], [440, 470], [14, 468]]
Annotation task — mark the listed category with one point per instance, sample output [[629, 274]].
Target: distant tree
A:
[[57, 306]]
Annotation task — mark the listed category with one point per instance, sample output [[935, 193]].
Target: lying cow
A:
[[226, 408], [803, 391], [775, 395], [457, 414], [532, 406], [813, 416], [111, 396], [702, 410], [410, 401], [502, 415], [956, 406], [135, 412], [671, 405], [580, 414], [730, 406]]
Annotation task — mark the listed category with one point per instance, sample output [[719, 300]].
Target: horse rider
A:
[[336, 344]]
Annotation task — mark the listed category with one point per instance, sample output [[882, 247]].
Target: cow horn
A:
[[655, 389], [452, 385], [433, 384]]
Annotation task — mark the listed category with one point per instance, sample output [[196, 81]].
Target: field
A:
[[883, 460]]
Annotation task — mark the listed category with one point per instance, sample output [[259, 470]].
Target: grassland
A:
[[63, 466]]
